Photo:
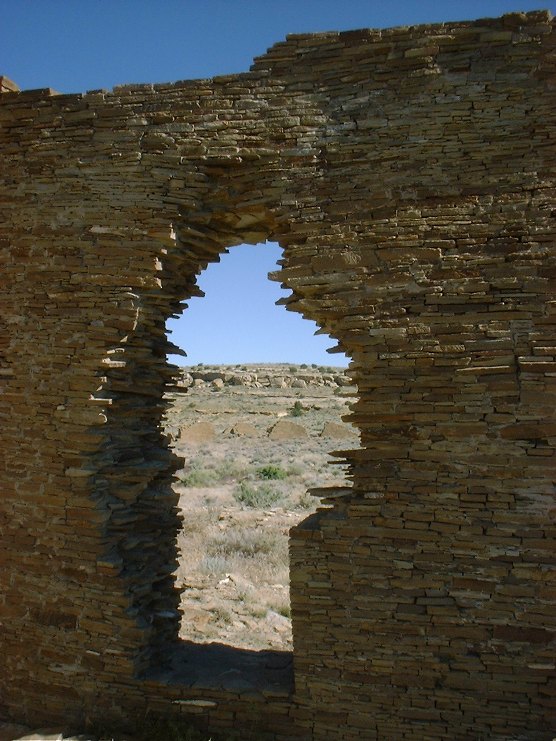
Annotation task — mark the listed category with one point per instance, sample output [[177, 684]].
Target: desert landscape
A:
[[404, 165], [255, 441]]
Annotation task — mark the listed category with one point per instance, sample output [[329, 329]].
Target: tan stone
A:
[[7, 85], [337, 431], [285, 430], [200, 432], [244, 429]]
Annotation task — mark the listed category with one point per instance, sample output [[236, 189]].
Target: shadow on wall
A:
[[219, 667]]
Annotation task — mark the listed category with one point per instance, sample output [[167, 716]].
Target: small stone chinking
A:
[[408, 175]]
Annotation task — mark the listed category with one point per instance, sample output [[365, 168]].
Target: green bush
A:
[[257, 497], [271, 472], [296, 410]]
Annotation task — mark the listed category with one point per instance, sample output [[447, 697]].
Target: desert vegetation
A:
[[255, 441]]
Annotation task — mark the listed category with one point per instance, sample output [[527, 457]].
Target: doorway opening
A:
[[257, 409]]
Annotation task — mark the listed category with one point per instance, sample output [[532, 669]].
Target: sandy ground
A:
[[235, 570]]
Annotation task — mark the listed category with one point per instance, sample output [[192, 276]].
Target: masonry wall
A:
[[409, 176]]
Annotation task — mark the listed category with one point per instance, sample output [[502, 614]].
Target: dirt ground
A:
[[244, 484]]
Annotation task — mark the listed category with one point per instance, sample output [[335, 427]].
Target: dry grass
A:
[[239, 498]]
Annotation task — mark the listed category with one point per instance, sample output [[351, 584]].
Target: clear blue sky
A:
[[78, 45]]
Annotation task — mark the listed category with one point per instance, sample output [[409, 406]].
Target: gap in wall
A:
[[259, 410]]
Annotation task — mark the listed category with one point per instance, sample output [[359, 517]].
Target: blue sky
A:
[[78, 45]]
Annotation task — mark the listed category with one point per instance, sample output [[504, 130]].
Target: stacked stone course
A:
[[409, 176]]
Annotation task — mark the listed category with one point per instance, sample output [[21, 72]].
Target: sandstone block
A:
[[284, 430], [337, 431], [200, 432], [244, 429]]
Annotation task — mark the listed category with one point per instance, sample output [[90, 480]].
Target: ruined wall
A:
[[409, 176]]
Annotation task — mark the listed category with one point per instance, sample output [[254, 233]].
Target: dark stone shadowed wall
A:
[[408, 175]]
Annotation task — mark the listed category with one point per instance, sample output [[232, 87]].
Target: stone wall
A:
[[408, 175]]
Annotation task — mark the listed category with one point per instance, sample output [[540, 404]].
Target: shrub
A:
[[271, 472], [281, 606], [221, 614], [206, 477], [256, 496], [192, 524], [231, 470], [296, 470], [245, 542], [296, 410], [305, 501], [199, 477], [215, 565], [258, 611]]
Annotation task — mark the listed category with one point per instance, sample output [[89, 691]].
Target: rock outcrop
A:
[[262, 377], [284, 430]]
